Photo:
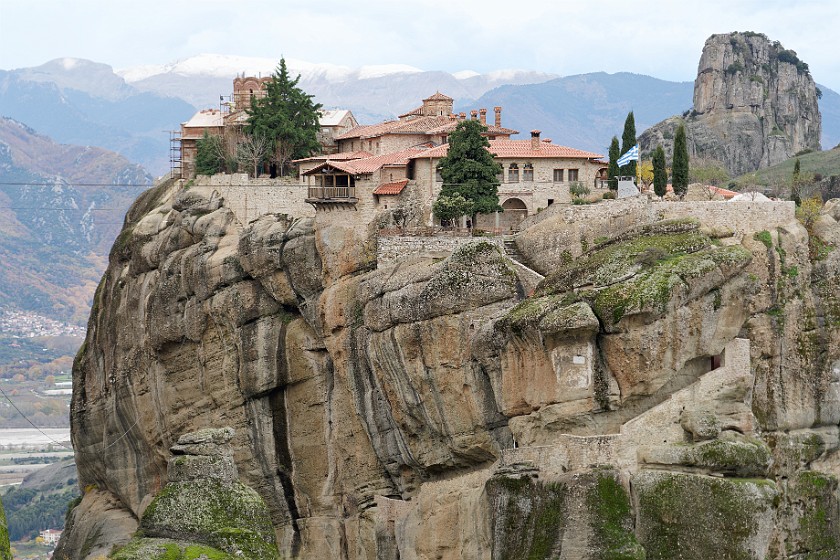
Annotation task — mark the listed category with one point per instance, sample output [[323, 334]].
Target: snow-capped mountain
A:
[[374, 91]]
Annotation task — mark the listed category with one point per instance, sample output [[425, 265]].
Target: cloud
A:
[[662, 38]]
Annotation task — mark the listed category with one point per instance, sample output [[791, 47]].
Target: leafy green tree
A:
[[660, 172], [612, 170], [450, 207], [470, 170], [708, 172], [628, 140], [578, 190], [679, 171], [209, 158], [287, 117]]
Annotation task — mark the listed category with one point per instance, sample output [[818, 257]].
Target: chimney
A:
[[498, 116], [453, 117], [473, 115], [463, 116], [535, 139], [483, 113]]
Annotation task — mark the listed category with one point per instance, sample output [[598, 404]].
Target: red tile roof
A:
[[438, 97], [419, 125], [340, 156], [414, 112], [391, 188], [492, 130], [520, 149], [369, 165]]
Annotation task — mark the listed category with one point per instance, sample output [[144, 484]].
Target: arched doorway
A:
[[515, 211]]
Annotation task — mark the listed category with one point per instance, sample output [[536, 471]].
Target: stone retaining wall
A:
[[743, 216], [391, 249]]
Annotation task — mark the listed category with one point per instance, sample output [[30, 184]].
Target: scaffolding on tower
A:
[[175, 153]]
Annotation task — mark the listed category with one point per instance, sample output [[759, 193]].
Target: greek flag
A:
[[632, 153]]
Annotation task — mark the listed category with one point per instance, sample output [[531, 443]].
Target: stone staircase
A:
[[527, 276]]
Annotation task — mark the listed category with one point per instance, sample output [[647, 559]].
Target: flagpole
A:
[[639, 169]]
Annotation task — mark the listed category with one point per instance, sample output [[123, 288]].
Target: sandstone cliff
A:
[[755, 105], [671, 387]]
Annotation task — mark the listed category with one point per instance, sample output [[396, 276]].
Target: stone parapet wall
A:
[[744, 216], [250, 198], [391, 249]]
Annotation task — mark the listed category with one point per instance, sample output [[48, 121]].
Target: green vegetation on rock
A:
[[232, 518], [528, 517], [814, 496], [612, 518], [696, 517], [163, 549]]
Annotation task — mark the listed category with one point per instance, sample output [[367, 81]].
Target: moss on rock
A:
[[231, 517], [813, 497], [699, 517], [617, 261], [528, 517], [165, 549], [612, 520]]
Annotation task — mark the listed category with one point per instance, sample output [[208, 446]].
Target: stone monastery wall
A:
[[251, 198]]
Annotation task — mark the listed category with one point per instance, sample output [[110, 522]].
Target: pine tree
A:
[[660, 172], [679, 171], [470, 170], [287, 117], [628, 140], [613, 171]]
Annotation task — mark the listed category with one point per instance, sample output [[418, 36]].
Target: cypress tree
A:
[[796, 183], [679, 170], [470, 170], [660, 173], [628, 140], [612, 171]]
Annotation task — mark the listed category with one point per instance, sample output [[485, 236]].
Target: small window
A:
[[438, 176], [528, 172], [513, 173], [558, 175], [573, 174], [550, 201]]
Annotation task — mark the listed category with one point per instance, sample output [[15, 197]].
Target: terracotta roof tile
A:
[[438, 97], [370, 164], [492, 130], [340, 156], [391, 188], [420, 125], [414, 112], [520, 149]]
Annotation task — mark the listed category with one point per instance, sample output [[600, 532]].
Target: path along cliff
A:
[[670, 389]]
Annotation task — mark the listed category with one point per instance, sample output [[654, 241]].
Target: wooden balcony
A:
[[332, 195]]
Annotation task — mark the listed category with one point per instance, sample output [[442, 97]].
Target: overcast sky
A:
[[655, 37]]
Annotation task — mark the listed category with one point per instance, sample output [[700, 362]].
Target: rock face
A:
[[755, 105], [671, 389]]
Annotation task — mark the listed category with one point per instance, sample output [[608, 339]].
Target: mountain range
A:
[[61, 207], [130, 110]]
